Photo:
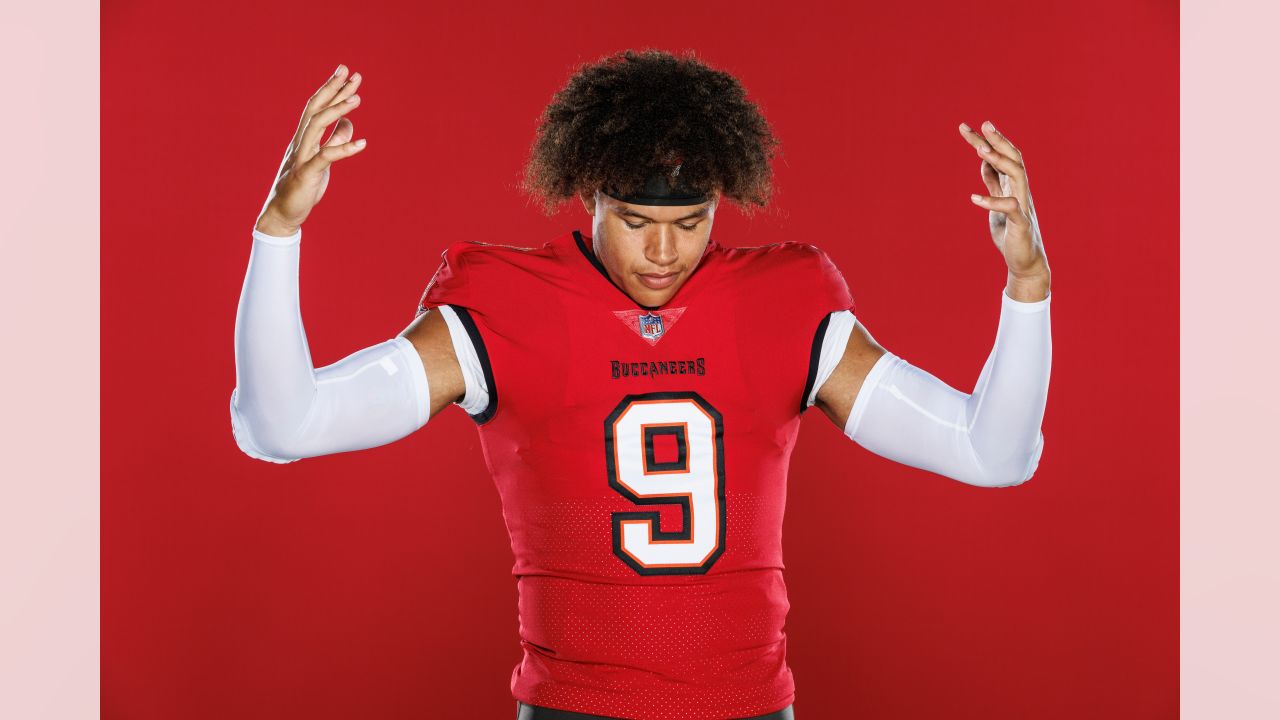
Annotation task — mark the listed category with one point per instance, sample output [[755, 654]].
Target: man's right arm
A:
[[430, 336], [283, 409]]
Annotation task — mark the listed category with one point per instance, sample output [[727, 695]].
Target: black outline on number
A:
[[652, 517]]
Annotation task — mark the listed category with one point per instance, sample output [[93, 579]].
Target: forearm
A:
[[284, 409], [990, 437], [275, 377], [1006, 408]]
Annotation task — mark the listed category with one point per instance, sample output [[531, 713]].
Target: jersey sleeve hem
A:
[[486, 413], [834, 342], [815, 352]]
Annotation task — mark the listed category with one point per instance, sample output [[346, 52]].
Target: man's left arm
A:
[[990, 437]]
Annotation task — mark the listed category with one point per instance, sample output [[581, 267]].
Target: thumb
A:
[[330, 154], [990, 177], [341, 133], [1008, 206]]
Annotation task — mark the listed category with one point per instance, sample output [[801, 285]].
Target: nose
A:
[[660, 246]]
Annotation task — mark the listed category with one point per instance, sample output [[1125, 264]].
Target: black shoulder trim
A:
[[473, 332], [814, 352]]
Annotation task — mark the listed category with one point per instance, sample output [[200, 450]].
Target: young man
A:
[[638, 391]]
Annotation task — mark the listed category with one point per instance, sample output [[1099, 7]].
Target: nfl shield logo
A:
[[651, 326]]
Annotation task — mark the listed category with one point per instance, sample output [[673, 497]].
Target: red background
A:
[[377, 583]]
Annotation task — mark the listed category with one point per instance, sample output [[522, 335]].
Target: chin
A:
[[651, 297]]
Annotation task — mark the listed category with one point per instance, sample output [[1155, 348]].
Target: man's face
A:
[[638, 243]]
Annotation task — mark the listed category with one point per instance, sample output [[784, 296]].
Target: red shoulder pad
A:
[[474, 275], [450, 284], [819, 281], [833, 288]]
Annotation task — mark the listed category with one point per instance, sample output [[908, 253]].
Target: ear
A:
[[588, 201]]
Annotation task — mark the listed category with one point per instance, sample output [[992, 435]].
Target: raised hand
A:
[[1012, 214], [304, 173]]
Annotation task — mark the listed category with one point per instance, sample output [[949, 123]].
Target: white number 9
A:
[[693, 479]]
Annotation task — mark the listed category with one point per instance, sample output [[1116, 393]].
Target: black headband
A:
[[661, 188]]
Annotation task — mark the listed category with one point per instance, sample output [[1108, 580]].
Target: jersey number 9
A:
[[691, 477]]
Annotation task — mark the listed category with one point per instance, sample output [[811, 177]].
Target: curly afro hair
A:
[[621, 119]]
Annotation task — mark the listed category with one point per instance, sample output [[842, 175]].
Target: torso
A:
[[643, 480]]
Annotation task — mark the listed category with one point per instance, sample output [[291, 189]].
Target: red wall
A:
[[377, 583]]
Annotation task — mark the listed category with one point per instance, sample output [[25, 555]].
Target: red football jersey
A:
[[641, 458]]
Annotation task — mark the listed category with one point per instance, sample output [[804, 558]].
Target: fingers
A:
[[323, 97], [993, 153], [1009, 206], [977, 141], [1001, 143], [310, 142], [989, 176], [347, 90], [319, 99], [1007, 166], [330, 154], [335, 90], [991, 143]]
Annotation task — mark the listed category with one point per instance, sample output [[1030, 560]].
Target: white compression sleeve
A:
[[282, 408], [991, 437]]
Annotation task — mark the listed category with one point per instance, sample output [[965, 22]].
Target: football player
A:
[[638, 389]]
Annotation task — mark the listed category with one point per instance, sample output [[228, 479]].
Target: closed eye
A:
[[682, 227]]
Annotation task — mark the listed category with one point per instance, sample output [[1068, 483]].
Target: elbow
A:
[[1008, 480], [1010, 472], [257, 440]]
